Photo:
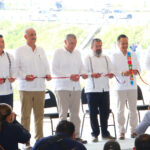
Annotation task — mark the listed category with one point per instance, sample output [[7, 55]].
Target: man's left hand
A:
[[2, 80], [135, 72], [48, 77], [11, 79], [84, 76], [75, 77], [111, 75]]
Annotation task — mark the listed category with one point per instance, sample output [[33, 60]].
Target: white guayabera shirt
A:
[[147, 65], [94, 64], [7, 69], [64, 64], [120, 63], [31, 63]]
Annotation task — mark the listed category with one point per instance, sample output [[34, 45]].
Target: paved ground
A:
[[126, 144]]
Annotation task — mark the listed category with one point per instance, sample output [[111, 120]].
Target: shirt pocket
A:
[[40, 65]]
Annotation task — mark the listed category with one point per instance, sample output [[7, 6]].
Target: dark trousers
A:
[[99, 104], [8, 99]]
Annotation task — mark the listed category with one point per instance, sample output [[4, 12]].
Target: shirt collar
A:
[[62, 134], [68, 51], [31, 48], [3, 53], [120, 52]]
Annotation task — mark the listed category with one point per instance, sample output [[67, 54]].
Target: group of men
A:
[[31, 67]]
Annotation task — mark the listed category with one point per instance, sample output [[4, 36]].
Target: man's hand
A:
[[2, 80], [10, 118], [135, 72], [11, 80], [111, 75], [13, 116], [96, 75], [48, 77], [84, 76], [30, 77], [75, 77], [126, 73]]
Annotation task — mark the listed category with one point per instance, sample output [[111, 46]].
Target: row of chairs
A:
[[50, 102]]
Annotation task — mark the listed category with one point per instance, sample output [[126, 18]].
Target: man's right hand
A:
[[95, 75], [2, 80], [126, 73], [75, 77], [30, 77]]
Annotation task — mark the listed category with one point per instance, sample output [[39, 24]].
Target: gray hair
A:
[[68, 36], [27, 29], [95, 40]]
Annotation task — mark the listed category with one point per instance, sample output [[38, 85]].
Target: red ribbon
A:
[[142, 78], [53, 77], [106, 75]]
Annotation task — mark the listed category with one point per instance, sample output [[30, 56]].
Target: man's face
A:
[[123, 44], [2, 45], [97, 48], [31, 36], [70, 44]]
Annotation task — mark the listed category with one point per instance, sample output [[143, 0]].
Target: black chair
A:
[[50, 102], [139, 107], [143, 106], [86, 112]]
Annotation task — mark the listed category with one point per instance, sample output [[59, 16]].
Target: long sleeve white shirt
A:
[[64, 64], [120, 63], [147, 65], [31, 62], [94, 64], [7, 69]]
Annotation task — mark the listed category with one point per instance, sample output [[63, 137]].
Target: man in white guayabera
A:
[[97, 89], [66, 62], [7, 74], [33, 69], [126, 66]]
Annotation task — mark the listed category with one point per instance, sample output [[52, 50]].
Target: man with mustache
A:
[[32, 67], [97, 89], [7, 74]]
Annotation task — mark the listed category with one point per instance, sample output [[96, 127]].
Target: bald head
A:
[[30, 36], [28, 30], [68, 36]]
